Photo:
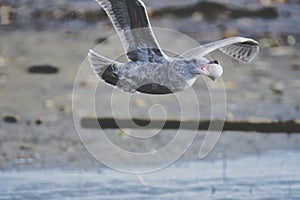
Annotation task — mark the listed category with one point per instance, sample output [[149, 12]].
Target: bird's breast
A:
[[151, 76]]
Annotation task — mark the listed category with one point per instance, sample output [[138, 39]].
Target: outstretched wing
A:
[[240, 48], [131, 22]]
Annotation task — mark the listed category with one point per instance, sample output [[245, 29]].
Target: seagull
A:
[[149, 70]]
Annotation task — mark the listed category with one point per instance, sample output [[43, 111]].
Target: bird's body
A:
[[148, 69], [153, 78]]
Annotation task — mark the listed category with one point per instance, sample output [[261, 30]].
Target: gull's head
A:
[[212, 69]]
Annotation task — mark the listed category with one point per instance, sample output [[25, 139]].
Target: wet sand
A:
[[44, 135]]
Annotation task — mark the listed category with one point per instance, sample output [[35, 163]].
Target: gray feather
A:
[[245, 52], [240, 48], [131, 22]]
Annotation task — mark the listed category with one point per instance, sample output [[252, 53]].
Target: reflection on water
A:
[[274, 175]]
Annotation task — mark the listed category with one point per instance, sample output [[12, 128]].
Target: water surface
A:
[[274, 175]]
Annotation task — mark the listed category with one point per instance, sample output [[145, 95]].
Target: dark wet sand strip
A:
[[292, 126]]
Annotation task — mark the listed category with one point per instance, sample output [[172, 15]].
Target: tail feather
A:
[[105, 68], [98, 63]]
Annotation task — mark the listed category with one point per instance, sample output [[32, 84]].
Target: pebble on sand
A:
[[38, 121], [12, 119], [2, 61], [140, 103], [48, 104], [277, 88]]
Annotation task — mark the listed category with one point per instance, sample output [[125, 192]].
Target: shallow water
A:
[[274, 175]]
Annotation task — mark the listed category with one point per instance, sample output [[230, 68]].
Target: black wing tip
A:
[[251, 43]]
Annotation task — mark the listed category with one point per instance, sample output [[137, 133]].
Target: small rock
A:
[[230, 116], [291, 40], [277, 88], [2, 61], [65, 109], [197, 16], [48, 104], [266, 3], [139, 103], [12, 119], [121, 134], [38, 122], [25, 147]]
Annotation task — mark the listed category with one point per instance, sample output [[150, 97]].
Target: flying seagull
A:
[[149, 69]]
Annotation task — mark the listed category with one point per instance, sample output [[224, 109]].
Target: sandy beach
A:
[[47, 90], [37, 129]]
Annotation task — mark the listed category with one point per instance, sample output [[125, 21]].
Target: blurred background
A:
[[42, 45]]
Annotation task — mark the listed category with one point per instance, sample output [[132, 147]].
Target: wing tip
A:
[[234, 50], [245, 40]]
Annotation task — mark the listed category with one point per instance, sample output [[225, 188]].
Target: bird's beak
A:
[[203, 69]]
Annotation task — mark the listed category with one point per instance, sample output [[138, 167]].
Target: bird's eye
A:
[[214, 62]]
